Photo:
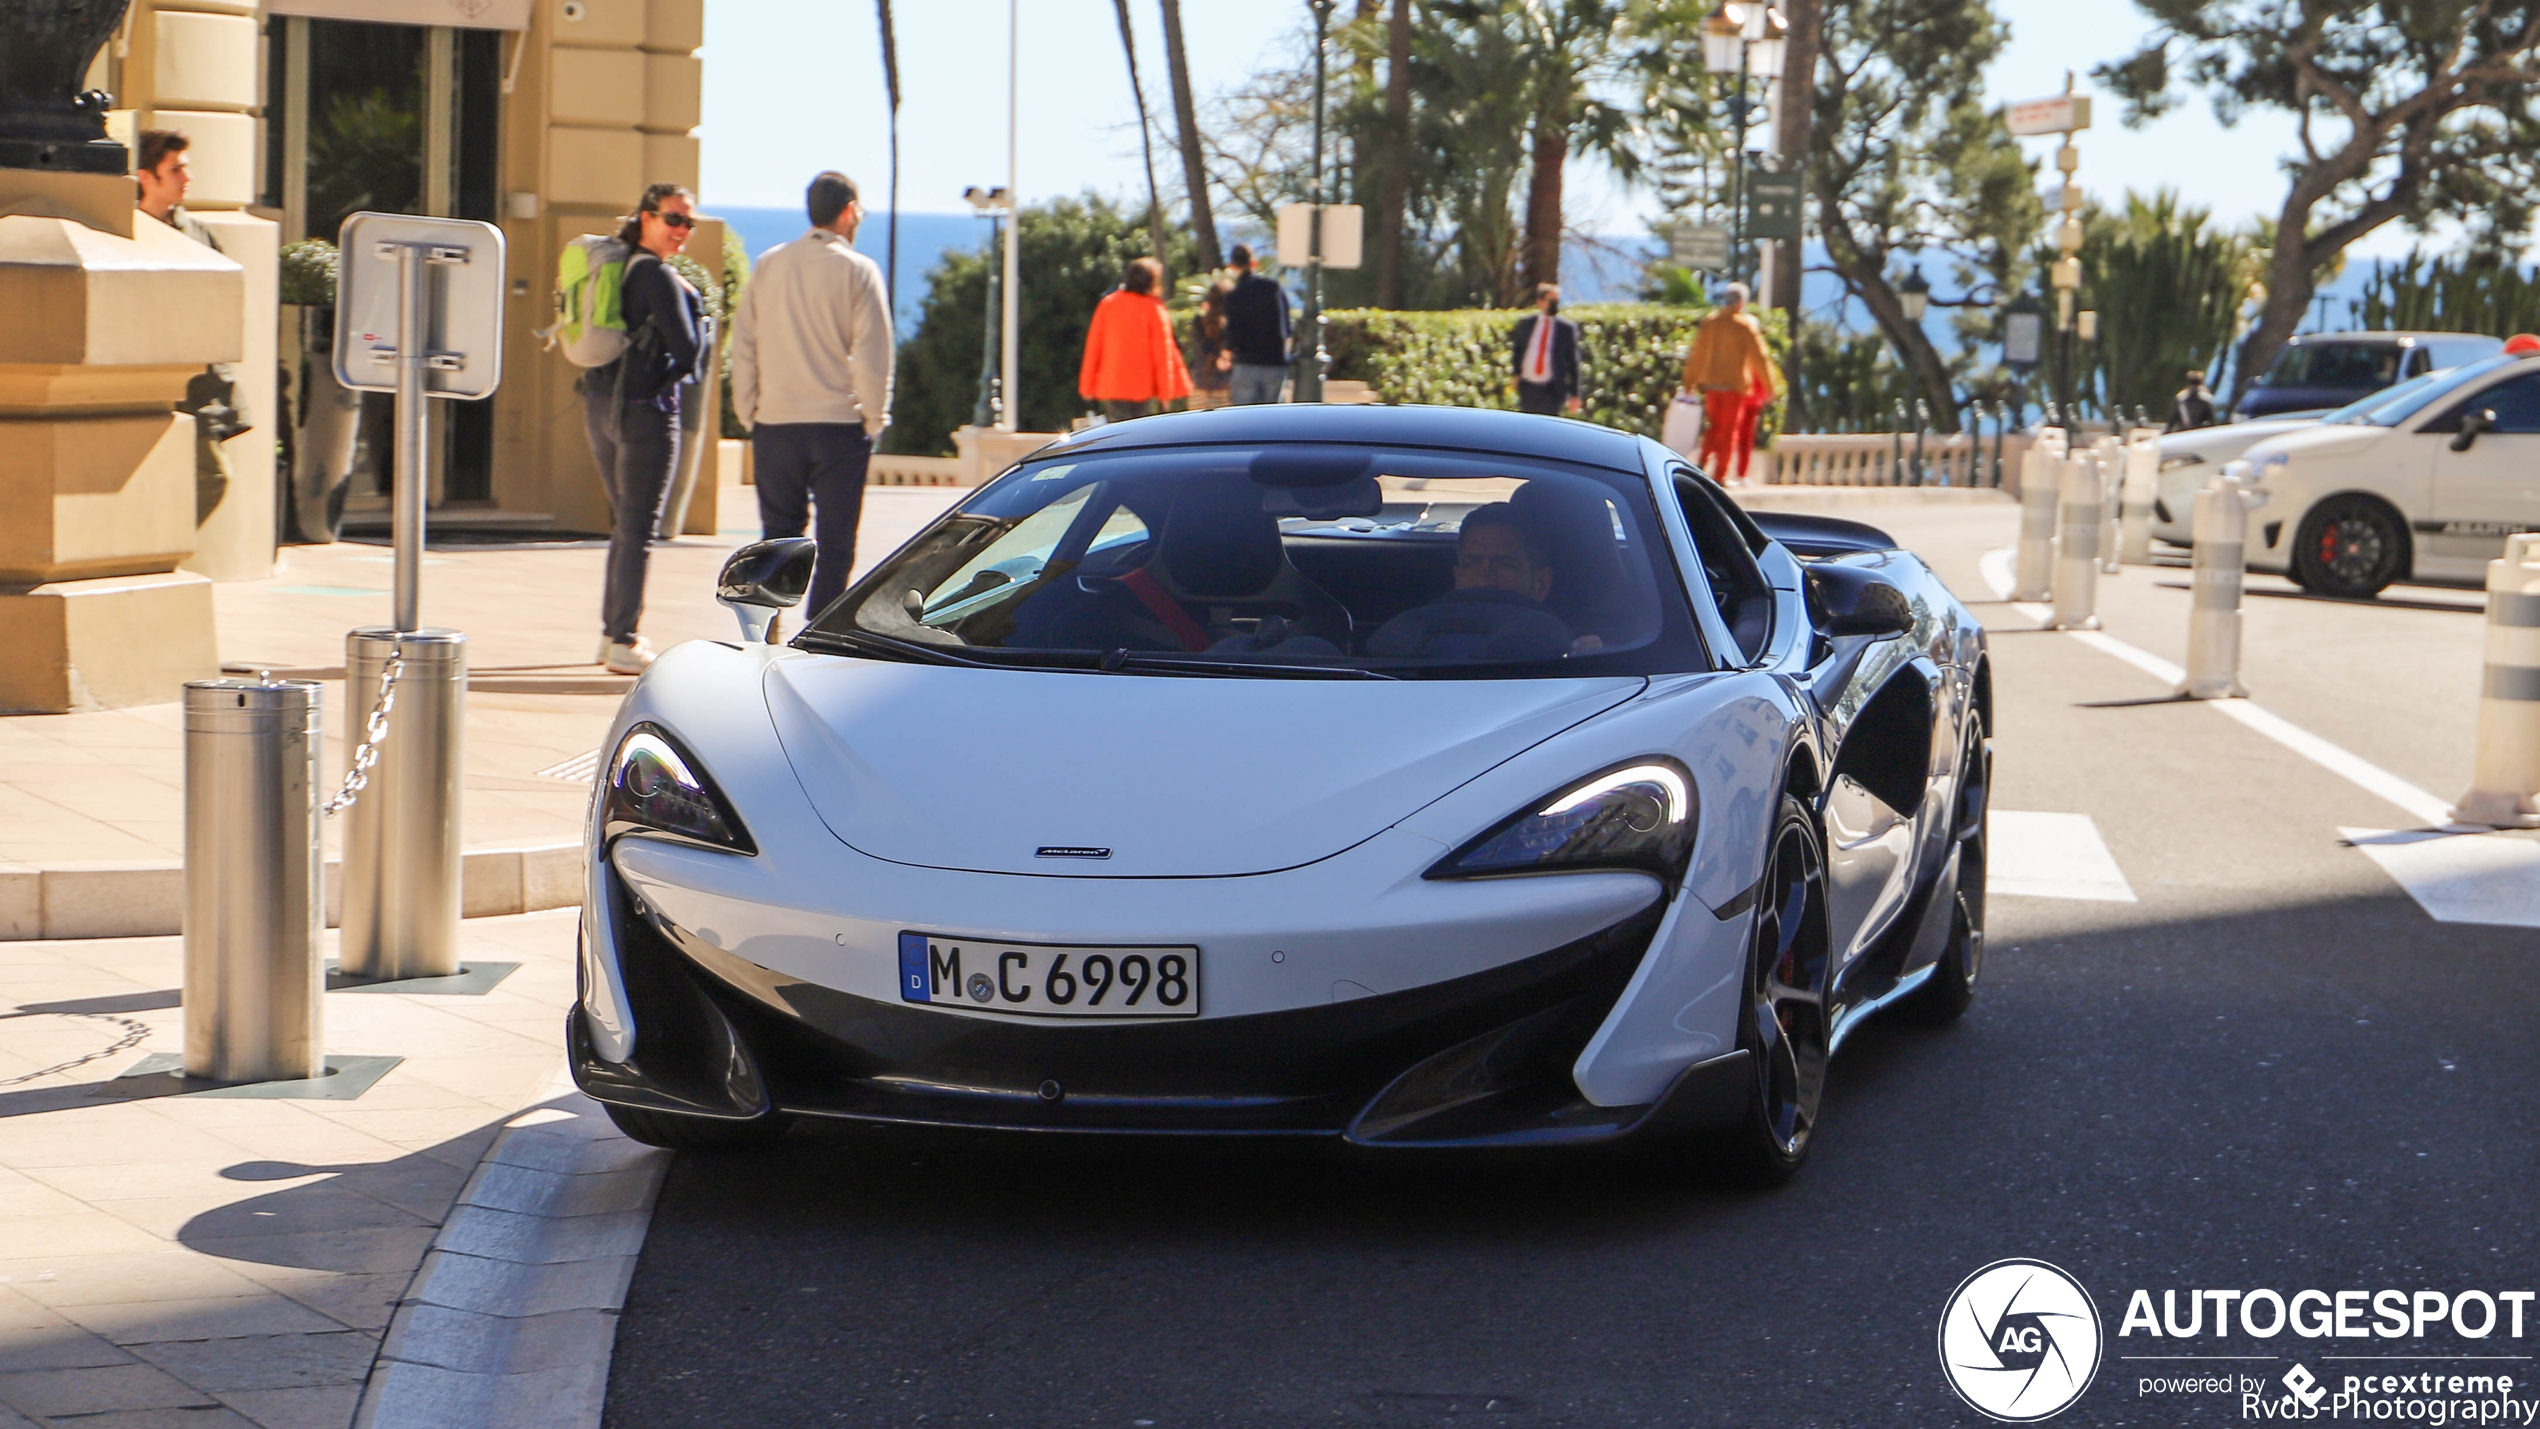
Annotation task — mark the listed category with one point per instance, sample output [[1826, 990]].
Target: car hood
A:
[[1176, 777], [2221, 444], [2341, 439]]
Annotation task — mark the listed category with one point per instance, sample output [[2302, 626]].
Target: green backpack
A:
[[590, 321]]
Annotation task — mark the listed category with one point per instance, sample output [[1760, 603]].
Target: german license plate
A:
[[1049, 980]]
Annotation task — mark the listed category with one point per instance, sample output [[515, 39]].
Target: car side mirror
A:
[[2472, 423], [1848, 600], [763, 578]]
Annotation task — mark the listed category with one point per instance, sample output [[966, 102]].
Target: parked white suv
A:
[[2422, 483]]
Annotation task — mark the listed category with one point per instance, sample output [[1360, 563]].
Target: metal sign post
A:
[[419, 312]]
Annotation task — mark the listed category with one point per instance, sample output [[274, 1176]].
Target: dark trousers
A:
[[1542, 399], [637, 447], [807, 470]]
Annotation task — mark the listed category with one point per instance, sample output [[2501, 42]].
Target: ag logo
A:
[[2019, 1340]]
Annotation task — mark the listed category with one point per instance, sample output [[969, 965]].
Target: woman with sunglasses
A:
[[631, 409]]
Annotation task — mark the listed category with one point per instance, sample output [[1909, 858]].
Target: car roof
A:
[[1453, 428], [2305, 339]]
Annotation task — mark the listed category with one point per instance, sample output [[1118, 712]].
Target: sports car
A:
[[1414, 777]]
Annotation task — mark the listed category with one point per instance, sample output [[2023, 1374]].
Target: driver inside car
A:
[[1503, 576]]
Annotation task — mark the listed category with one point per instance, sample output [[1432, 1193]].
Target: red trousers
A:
[[1728, 434]]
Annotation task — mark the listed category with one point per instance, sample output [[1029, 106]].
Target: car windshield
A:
[[2389, 409], [2336, 364], [1285, 561], [2359, 412]]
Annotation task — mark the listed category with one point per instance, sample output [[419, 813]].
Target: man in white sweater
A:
[[811, 376]]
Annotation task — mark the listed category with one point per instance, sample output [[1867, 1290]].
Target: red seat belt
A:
[[1161, 604]]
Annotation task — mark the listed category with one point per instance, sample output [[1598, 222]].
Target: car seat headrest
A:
[[1219, 543]]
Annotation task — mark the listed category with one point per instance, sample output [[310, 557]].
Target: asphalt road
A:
[[2272, 1070]]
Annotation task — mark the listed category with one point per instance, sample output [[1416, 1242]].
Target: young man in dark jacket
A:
[[1256, 333], [1545, 352]]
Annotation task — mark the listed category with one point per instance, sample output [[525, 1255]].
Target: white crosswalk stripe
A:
[[2052, 856], [2459, 877]]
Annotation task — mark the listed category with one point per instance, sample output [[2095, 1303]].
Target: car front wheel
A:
[[1783, 1024], [2349, 547]]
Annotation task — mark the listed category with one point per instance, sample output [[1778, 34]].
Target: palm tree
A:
[[1146, 131], [1567, 48], [1194, 169], [891, 87], [1393, 196]]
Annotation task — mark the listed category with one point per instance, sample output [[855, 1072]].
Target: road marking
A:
[[580, 769], [2355, 769], [2460, 877], [2052, 856]]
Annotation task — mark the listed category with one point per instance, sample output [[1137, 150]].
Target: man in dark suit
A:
[[1545, 352]]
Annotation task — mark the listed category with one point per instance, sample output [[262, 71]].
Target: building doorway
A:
[[384, 118]]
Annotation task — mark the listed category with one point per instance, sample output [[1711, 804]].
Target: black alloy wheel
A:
[[1952, 987], [677, 1132], [2349, 546], [1784, 1025]]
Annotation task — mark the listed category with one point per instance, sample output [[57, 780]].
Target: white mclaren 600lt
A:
[[1410, 776]]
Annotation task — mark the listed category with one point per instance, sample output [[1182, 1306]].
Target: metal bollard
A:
[[2109, 453], [2504, 788], [2034, 576], [254, 881], [2134, 500], [2078, 518], [401, 838], [2221, 531]]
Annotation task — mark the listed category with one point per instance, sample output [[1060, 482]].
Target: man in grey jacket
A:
[[811, 376]]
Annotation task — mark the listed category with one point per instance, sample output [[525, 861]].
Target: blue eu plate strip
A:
[[913, 968]]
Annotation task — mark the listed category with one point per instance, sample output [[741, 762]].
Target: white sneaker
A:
[[627, 657]]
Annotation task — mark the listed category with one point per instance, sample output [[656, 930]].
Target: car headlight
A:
[[1638, 816], [654, 787], [2181, 461]]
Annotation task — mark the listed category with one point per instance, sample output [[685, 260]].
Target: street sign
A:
[[2023, 338], [1342, 227], [2056, 114], [1699, 245], [462, 272], [1772, 205]]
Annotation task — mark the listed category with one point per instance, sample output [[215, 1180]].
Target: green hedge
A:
[[1631, 357]]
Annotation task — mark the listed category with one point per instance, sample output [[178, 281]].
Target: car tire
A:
[[676, 1132], [2349, 547], [1783, 1022], [1952, 988]]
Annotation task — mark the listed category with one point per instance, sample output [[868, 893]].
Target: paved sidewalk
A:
[[218, 1261], [96, 800]]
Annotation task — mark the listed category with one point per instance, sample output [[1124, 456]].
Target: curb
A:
[[512, 1317], [147, 900]]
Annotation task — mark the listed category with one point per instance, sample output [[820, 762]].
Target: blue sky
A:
[[792, 88]]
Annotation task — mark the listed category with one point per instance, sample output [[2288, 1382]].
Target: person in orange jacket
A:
[[1727, 363], [1132, 364]]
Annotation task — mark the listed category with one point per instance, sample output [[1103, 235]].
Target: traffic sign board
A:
[[462, 275], [1772, 205], [2055, 114], [1699, 245]]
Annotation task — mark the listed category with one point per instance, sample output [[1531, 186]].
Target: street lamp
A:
[[994, 205], [1913, 292], [1744, 39], [1309, 372]]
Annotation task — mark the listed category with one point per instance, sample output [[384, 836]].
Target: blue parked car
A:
[[2330, 369]]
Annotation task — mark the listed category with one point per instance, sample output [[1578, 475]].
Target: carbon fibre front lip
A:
[[725, 1037]]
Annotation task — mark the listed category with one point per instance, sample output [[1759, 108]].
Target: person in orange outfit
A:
[[1759, 398], [1727, 363], [1132, 364]]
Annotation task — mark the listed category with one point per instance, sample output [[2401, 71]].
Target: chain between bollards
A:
[[375, 729]]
